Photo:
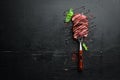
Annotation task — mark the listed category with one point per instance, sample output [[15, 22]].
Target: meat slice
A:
[[80, 25]]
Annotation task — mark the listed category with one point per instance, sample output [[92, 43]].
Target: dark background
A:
[[35, 44]]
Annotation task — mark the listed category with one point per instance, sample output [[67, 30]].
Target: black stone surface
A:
[[35, 44]]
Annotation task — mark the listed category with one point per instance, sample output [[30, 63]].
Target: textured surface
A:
[[35, 44]]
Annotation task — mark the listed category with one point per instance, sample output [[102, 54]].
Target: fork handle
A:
[[80, 62], [80, 57]]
